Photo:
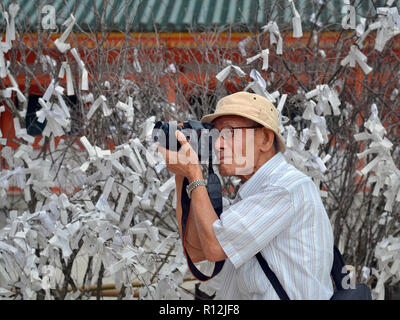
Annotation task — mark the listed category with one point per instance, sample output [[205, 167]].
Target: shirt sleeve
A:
[[248, 225]]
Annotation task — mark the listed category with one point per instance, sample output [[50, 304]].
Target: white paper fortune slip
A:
[[55, 117], [274, 33], [386, 171], [60, 42], [15, 87], [264, 55], [282, 119], [13, 11], [296, 21], [89, 148], [242, 46], [127, 109], [2, 109], [136, 63], [65, 71], [224, 73], [100, 101], [22, 132], [59, 91], [259, 86], [84, 77], [3, 64], [327, 98], [162, 197], [6, 45], [387, 253], [355, 55], [388, 26]]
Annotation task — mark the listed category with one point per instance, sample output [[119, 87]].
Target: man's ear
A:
[[268, 140]]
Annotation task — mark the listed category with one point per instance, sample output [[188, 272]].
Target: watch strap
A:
[[194, 184]]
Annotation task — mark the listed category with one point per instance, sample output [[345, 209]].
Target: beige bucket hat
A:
[[251, 106]]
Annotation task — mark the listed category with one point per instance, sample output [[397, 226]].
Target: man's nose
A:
[[219, 143]]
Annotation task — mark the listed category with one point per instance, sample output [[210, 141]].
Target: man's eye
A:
[[226, 133]]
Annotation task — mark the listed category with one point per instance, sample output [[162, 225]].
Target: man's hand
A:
[[185, 162]]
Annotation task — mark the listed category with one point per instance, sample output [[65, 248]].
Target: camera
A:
[[197, 133]]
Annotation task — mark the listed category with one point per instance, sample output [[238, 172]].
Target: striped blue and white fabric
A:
[[279, 212]]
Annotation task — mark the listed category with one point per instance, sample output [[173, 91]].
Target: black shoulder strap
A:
[[272, 277], [336, 273], [215, 192]]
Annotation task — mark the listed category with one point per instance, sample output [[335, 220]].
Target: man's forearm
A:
[[205, 216], [192, 241]]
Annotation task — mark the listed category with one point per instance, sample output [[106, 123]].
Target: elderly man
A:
[[277, 211]]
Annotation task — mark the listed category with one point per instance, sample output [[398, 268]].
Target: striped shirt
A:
[[279, 212]]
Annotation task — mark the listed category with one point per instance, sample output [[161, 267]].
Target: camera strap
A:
[[214, 190]]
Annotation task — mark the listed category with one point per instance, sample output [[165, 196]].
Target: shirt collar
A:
[[260, 176]]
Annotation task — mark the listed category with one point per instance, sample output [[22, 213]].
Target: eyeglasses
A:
[[230, 131]]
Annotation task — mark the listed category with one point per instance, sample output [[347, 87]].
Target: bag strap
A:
[[272, 277], [336, 273], [338, 268]]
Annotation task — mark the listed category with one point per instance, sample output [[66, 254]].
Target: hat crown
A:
[[251, 104]]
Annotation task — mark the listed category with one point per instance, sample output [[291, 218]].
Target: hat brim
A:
[[209, 118]]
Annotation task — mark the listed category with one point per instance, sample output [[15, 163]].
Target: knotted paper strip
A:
[[386, 171], [355, 55], [264, 55], [223, 74], [60, 42], [65, 70], [274, 33], [296, 21], [13, 10], [242, 46], [84, 77]]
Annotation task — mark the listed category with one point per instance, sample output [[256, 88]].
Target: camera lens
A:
[[158, 133], [164, 134]]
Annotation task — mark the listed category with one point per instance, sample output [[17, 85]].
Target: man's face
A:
[[237, 149]]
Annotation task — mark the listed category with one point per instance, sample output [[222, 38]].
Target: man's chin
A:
[[230, 170], [223, 170]]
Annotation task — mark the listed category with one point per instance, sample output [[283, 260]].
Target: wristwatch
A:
[[194, 184]]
